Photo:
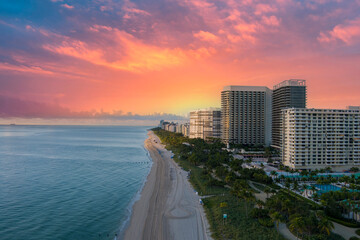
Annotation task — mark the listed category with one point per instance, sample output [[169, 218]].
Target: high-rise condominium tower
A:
[[246, 115], [287, 94], [319, 138], [205, 123]]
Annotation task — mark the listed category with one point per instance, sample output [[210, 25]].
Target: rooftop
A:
[[246, 88], [290, 82]]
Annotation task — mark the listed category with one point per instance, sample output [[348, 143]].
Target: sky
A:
[[150, 59]]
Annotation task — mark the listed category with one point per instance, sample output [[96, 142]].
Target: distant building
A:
[[161, 123], [246, 115], [353, 108], [178, 128], [320, 138], [205, 123], [171, 127], [287, 94], [185, 129]]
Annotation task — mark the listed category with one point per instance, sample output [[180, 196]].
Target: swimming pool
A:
[[324, 188]]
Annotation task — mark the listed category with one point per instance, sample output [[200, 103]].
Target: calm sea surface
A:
[[69, 182]]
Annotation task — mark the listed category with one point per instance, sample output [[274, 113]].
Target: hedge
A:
[[345, 223]]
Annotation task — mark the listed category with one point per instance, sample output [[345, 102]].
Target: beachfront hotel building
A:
[[205, 123], [246, 115], [320, 138], [287, 94]]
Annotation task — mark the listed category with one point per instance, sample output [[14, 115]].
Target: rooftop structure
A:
[[291, 83]]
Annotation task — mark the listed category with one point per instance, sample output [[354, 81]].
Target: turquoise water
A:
[[324, 188], [69, 182]]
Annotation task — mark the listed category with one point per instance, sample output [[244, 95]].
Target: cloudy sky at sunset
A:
[[76, 58]]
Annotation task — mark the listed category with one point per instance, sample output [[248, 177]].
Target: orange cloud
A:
[[131, 53]]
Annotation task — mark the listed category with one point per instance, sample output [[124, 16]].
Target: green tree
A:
[[277, 218], [325, 225], [297, 224], [267, 190]]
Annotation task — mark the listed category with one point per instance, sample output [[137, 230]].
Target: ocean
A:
[[69, 182]]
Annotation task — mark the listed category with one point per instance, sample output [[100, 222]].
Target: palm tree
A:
[[313, 188], [286, 207], [273, 173], [325, 225], [315, 196], [267, 190], [355, 211], [287, 185], [297, 225], [247, 196], [304, 187], [260, 203], [296, 186], [277, 218]]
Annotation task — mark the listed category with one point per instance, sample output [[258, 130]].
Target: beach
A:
[[168, 207]]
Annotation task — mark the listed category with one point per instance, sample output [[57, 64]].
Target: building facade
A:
[[171, 127], [205, 123], [246, 115], [185, 129], [320, 138], [287, 94]]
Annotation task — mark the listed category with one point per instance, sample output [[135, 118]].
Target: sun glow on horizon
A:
[[127, 56]]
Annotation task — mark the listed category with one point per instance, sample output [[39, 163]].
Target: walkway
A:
[[344, 231], [284, 231]]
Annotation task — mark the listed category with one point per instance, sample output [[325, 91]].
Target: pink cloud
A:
[[206, 36], [131, 10], [67, 6], [349, 33], [24, 69], [264, 8], [105, 8], [272, 20]]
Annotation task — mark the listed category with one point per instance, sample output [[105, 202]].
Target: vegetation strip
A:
[[233, 211]]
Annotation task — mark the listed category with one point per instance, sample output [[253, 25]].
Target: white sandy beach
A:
[[168, 207]]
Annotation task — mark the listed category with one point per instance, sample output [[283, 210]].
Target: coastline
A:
[[141, 209], [168, 207], [126, 223]]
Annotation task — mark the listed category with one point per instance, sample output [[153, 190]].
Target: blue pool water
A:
[[324, 188], [69, 182]]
